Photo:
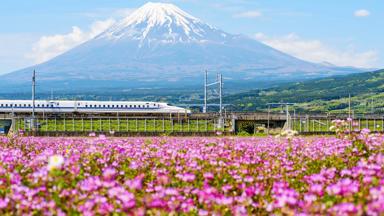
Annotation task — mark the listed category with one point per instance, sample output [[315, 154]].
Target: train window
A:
[[147, 106], [113, 106], [86, 105], [103, 105]]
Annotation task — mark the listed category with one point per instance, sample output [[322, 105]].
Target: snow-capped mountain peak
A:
[[159, 14], [162, 22]]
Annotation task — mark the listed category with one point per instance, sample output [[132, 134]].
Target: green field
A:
[[120, 125], [324, 125]]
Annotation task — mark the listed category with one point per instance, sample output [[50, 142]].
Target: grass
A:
[[122, 125], [324, 125]]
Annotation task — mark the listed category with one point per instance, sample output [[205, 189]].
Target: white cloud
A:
[[362, 13], [53, 45], [317, 51], [249, 14]]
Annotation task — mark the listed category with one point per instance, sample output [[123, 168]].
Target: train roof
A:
[[84, 101]]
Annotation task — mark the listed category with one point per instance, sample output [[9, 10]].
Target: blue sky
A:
[[342, 32]]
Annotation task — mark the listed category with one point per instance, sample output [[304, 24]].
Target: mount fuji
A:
[[160, 45]]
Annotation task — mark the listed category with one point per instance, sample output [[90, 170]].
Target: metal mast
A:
[[221, 120], [33, 93], [349, 106], [221, 93], [219, 83], [287, 115], [205, 92]]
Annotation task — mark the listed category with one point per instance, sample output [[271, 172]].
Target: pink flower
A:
[[316, 189], [208, 176], [136, 183], [4, 203], [345, 209], [109, 173]]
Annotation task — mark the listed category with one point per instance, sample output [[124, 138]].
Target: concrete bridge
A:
[[6, 121], [180, 124], [233, 122]]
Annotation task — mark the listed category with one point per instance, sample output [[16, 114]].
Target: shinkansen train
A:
[[55, 106]]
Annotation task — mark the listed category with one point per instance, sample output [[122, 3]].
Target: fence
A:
[[118, 124], [319, 125]]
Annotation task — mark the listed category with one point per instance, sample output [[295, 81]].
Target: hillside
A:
[[320, 95], [160, 46]]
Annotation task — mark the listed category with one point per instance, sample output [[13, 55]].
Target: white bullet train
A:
[[61, 106]]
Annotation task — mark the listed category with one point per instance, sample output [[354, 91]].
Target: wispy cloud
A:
[[317, 51], [362, 13], [50, 46], [249, 14]]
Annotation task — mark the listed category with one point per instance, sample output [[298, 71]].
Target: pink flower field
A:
[[192, 176]]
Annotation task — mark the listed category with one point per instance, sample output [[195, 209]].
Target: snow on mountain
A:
[[162, 22], [160, 44]]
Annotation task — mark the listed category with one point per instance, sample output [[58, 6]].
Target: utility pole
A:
[[33, 99], [269, 111], [221, 120], [219, 83], [287, 116], [221, 93], [349, 106], [205, 91], [33, 93], [288, 122]]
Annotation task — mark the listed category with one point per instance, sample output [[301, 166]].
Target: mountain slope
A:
[[161, 45], [319, 95]]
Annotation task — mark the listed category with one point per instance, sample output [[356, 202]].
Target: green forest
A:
[[320, 95]]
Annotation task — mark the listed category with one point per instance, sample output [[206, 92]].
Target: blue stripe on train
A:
[[85, 108]]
